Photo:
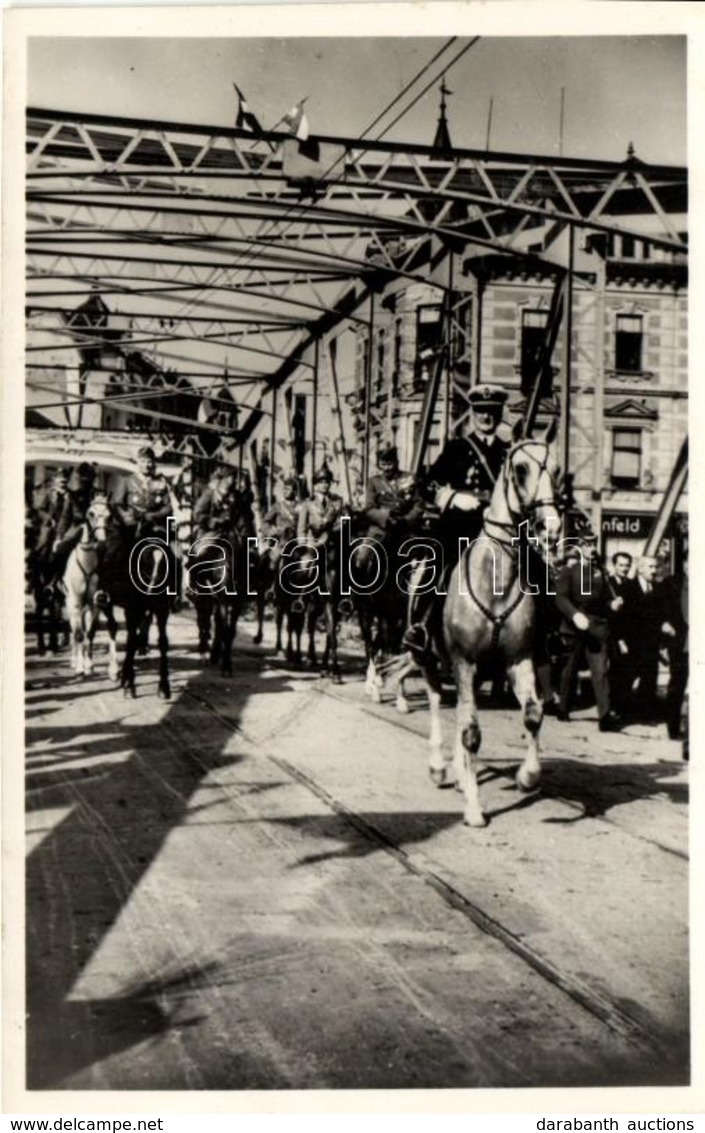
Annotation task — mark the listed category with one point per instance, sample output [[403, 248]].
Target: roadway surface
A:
[[255, 886]]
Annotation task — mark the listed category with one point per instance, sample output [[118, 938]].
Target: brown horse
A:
[[489, 613]]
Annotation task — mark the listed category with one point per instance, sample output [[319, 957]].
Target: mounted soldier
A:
[[282, 519], [143, 501], [319, 515], [216, 511], [459, 483], [73, 514], [393, 507]]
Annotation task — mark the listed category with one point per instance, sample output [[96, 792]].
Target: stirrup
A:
[[416, 638]]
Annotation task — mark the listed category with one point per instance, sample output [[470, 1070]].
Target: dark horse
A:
[[43, 577], [289, 610], [312, 583], [218, 588], [139, 575], [490, 612]]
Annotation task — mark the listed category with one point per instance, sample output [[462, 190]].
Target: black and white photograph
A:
[[350, 553]]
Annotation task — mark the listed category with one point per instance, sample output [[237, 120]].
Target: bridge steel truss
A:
[[232, 252]]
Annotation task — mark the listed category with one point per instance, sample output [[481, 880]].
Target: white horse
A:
[[84, 600], [482, 619]]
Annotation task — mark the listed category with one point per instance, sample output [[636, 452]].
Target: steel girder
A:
[[183, 219]]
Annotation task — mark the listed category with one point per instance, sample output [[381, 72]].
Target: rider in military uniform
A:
[[459, 483], [215, 511], [392, 506], [318, 516], [73, 514], [143, 502], [281, 521], [48, 512]]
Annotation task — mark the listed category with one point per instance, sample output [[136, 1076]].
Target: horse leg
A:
[[228, 619], [439, 763], [76, 624], [164, 688], [311, 618], [402, 703], [112, 643], [523, 680], [332, 643], [127, 674], [90, 624], [278, 645], [39, 598], [259, 606], [467, 741]]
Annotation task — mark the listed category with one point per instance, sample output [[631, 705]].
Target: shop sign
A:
[[627, 525]]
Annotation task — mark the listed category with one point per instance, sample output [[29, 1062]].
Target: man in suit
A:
[[672, 595], [645, 634], [586, 601], [621, 661]]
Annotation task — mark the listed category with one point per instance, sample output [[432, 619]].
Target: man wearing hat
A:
[[318, 516], [49, 511], [143, 501], [587, 603], [214, 512], [392, 506], [460, 483], [281, 521]]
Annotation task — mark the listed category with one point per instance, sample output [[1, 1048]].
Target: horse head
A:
[[526, 493], [97, 518]]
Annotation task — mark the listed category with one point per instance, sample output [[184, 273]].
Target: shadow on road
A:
[[125, 785]]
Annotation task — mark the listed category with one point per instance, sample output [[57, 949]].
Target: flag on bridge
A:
[[297, 122], [245, 119]]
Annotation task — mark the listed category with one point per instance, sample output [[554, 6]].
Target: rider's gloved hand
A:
[[465, 501], [580, 621]]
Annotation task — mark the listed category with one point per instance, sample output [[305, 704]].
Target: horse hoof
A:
[[474, 818], [442, 776], [527, 780], [129, 693], [403, 706], [337, 679], [257, 639], [164, 692]]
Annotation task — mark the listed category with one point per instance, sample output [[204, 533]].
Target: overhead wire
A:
[[300, 209]]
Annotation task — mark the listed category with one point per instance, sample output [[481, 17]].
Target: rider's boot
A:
[[417, 636]]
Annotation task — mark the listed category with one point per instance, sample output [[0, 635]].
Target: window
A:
[[626, 458], [628, 344], [533, 337], [429, 335]]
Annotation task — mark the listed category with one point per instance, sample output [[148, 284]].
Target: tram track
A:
[[394, 721], [638, 1032]]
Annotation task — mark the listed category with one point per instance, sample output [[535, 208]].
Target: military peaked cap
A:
[[388, 453], [487, 397], [324, 473]]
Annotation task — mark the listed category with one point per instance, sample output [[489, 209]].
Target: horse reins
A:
[[498, 620]]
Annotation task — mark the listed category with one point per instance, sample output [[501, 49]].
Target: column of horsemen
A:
[[619, 628]]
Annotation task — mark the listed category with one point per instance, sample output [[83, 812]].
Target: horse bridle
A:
[[498, 619], [509, 478]]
